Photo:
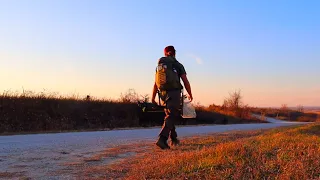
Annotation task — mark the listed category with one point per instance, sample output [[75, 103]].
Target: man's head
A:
[[169, 51]]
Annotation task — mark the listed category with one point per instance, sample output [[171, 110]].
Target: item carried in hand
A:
[[188, 111]]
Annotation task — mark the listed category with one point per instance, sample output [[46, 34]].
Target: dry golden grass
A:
[[289, 114], [313, 111], [31, 112], [283, 153], [219, 115]]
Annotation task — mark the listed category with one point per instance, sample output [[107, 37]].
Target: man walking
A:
[[167, 82]]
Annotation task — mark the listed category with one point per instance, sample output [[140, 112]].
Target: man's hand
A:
[[190, 98], [154, 101], [154, 92]]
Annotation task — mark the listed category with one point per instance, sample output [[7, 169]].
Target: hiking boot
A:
[[175, 142], [162, 143]]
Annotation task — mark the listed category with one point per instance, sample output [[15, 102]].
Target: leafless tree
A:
[[285, 110], [234, 101], [235, 104]]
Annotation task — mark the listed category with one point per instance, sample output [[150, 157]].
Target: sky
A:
[[269, 50]]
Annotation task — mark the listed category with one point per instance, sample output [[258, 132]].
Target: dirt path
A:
[[64, 155]]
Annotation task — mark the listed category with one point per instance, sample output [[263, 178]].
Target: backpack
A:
[[167, 76]]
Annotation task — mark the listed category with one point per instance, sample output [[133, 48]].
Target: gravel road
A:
[[37, 155]]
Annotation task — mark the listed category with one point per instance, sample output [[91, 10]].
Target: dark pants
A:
[[172, 101]]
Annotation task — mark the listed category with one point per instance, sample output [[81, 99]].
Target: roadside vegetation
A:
[[232, 111], [285, 113], [281, 153], [30, 112], [44, 112]]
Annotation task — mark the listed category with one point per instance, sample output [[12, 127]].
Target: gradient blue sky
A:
[[270, 50]]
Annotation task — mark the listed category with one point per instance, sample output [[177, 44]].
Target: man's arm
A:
[[154, 93], [187, 85]]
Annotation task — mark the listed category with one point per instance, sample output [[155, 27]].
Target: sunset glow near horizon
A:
[[270, 50]]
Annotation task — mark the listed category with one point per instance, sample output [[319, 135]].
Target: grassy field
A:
[[281, 153], [31, 112]]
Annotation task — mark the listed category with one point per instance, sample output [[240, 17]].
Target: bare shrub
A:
[[285, 111], [130, 96], [145, 98], [300, 108], [284, 108]]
